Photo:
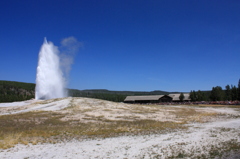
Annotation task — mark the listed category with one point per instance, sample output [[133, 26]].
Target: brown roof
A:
[[175, 97], [139, 98]]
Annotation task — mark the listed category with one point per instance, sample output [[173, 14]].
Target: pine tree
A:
[[228, 93], [193, 96], [181, 97], [239, 90], [217, 94], [234, 91], [200, 96]]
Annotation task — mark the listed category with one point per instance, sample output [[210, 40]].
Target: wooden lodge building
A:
[[156, 98]]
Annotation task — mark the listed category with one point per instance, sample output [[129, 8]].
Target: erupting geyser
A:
[[50, 82]]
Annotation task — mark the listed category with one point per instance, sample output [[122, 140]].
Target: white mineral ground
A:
[[197, 140]]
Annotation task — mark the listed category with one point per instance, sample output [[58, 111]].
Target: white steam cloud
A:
[[54, 67], [69, 48]]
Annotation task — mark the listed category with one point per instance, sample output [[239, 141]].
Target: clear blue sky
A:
[[137, 45]]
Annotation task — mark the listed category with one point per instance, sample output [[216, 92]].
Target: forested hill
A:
[[17, 91], [116, 96]]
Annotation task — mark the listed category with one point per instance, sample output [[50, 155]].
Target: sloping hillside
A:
[[16, 91]]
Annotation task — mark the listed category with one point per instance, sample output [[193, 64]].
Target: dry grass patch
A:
[[41, 126], [201, 117], [22, 128], [192, 115]]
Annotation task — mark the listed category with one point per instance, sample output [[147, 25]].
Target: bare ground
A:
[[92, 128]]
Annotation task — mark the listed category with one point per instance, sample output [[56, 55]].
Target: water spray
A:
[[50, 82]]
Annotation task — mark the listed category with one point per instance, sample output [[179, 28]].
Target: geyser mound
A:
[[50, 81]]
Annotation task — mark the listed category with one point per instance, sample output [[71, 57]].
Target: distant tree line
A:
[[98, 94], [231, 93], [199, 96], [11, 91]]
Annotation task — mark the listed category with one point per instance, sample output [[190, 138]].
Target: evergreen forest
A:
[[11, 91], [230, 93]]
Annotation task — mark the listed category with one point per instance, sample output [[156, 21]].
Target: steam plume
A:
[[69, 48], [53, 68], [50, 82]]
